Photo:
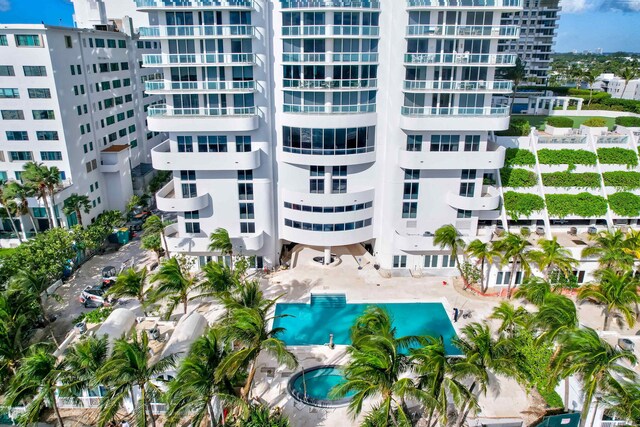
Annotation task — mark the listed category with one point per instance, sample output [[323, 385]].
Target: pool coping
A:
[[318, 403]]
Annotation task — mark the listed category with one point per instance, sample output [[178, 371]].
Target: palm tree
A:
[[517, 74], [191, 393], [128, 367], [448, 237], [246, 295], [21, 193], [34, 176], [175, 282], [510, 318], [627, 73], [590, 77], [130, 283], [378, 362], [82, 362], [219, 241], [596, 362], [154, 225], [485, 254], [35, 383], [51, 176], [609, 248], [9, 205], [534, 290], [219, 279], [262, 416], [553, 256], [556, 316], [76, 203], [513, 249], [249, 328], [623, 400], [35, 285], [617, 292]]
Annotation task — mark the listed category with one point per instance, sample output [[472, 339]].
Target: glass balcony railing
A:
[[330, 109], [194, 3], [428, 85], [335, 57], [464, 3], [454, 111], [460, 58], [198, 58], [464, 30], [330, 84], [353, 4], [197, 31], [160, 110], [330, 30], [154, 85], [355, 57]]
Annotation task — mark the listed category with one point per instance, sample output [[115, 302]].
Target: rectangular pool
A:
[[311, 324]]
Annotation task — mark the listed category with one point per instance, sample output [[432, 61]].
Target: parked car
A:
[[139, 213], [93, 296], [109, 276]]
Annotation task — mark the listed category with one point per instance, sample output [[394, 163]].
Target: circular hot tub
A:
[[313, 386]]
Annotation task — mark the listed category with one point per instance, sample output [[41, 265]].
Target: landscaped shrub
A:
[[622, 179], [617, 156], [519, 157], [568, 179], [517, 127], [566, 157], [604, 101], [630, 122], [625, 204], [522, 204], [584, 205], [517, 177], [595, 122], [560, 122]]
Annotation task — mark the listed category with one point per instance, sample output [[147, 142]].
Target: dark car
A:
[[109, 276]]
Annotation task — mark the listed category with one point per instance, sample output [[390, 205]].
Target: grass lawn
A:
[[538, 121]]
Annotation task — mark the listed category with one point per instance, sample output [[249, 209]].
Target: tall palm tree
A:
[[609, 248], [51, 176], [154, 225], [33, 176], [628, 73], [249, 328], [617, 292], [247, 295], [517, 74], [192, 391], [556, 316], [513, 249], [510, 318], [78, 204], [448, 237], [82, 362], [219, 241], [623, 400], [21, 193], [9, 205], [174, 282], [35, 384], [219, 279], [485, 254], [597, 363], [590, 77], [34, 284], [130, 283], [378, 363], [553, 256], [129, 367]]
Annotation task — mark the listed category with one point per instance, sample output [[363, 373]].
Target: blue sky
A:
[[585, 24]]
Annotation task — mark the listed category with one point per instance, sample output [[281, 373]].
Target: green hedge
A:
[[604, 101], [566, 156], [617, 156], [568, 179], [522, 204], [517, 127], [622, 179], [560, 122], [519, 157], [625, 204], [630, 122], [583, 205], [517, 178], [595, 122]]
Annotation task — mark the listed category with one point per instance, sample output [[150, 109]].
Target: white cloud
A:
[[578, 6], [4, 5]]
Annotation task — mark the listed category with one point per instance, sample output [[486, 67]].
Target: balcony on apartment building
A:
[[163, 87], [447, 160], [329, 84], [330, 31], [188, 59], [489, 200], [238, 119], [461, 59], [328, 207], [197, 31], [168, 200], [454, 86], [328, 58], [152, 5], [164, 159], [331, 4], [454, 118], [464, 4], [464, 31], [199, 243]]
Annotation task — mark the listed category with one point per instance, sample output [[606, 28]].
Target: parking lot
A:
[[90, 273]]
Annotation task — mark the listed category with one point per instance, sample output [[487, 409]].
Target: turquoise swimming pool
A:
[[314, 385], [311, 324]]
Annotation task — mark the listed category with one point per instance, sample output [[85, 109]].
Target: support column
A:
[[327, 255]]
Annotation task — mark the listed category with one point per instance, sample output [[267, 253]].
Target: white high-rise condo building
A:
[[539, 27], [329, 123], [72, 98]]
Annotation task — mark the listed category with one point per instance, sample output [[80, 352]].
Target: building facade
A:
[[72, 98], [538, 23], [328, 123]]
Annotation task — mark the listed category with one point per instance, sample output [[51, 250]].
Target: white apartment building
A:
[[329, 123], [625, 89], [72, 98], [539, 26]]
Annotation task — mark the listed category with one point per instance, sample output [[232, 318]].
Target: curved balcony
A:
[[336, 120], [196, 31], [331, 31], [464, 4], [330, 4], [173, 59], [330, 109], [199, 243], [194, 4], [489, 200], [429, 118], [461, 59], [439, 160], [163, 158], [329, 58], [414, 242], [498, 86], [355, 156], [163, 119], [320, 237], [168, 201], [464, 31], [162, 87], [329, 84], [328, 208]]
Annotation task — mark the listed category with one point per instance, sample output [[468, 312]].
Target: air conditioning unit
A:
[[626, 344]]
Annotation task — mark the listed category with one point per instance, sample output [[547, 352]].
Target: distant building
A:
[[92, 13]]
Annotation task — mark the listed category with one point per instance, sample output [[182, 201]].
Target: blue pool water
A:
[[311, 324], [316, 385]]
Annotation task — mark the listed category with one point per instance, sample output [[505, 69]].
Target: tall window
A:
[[316, 182], [410, 193], [339, 180], [472, 143], [185, 144], [445, 142], [414, 142], [243, 144]]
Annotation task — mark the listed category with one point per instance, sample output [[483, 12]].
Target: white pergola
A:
[[544, 104]]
